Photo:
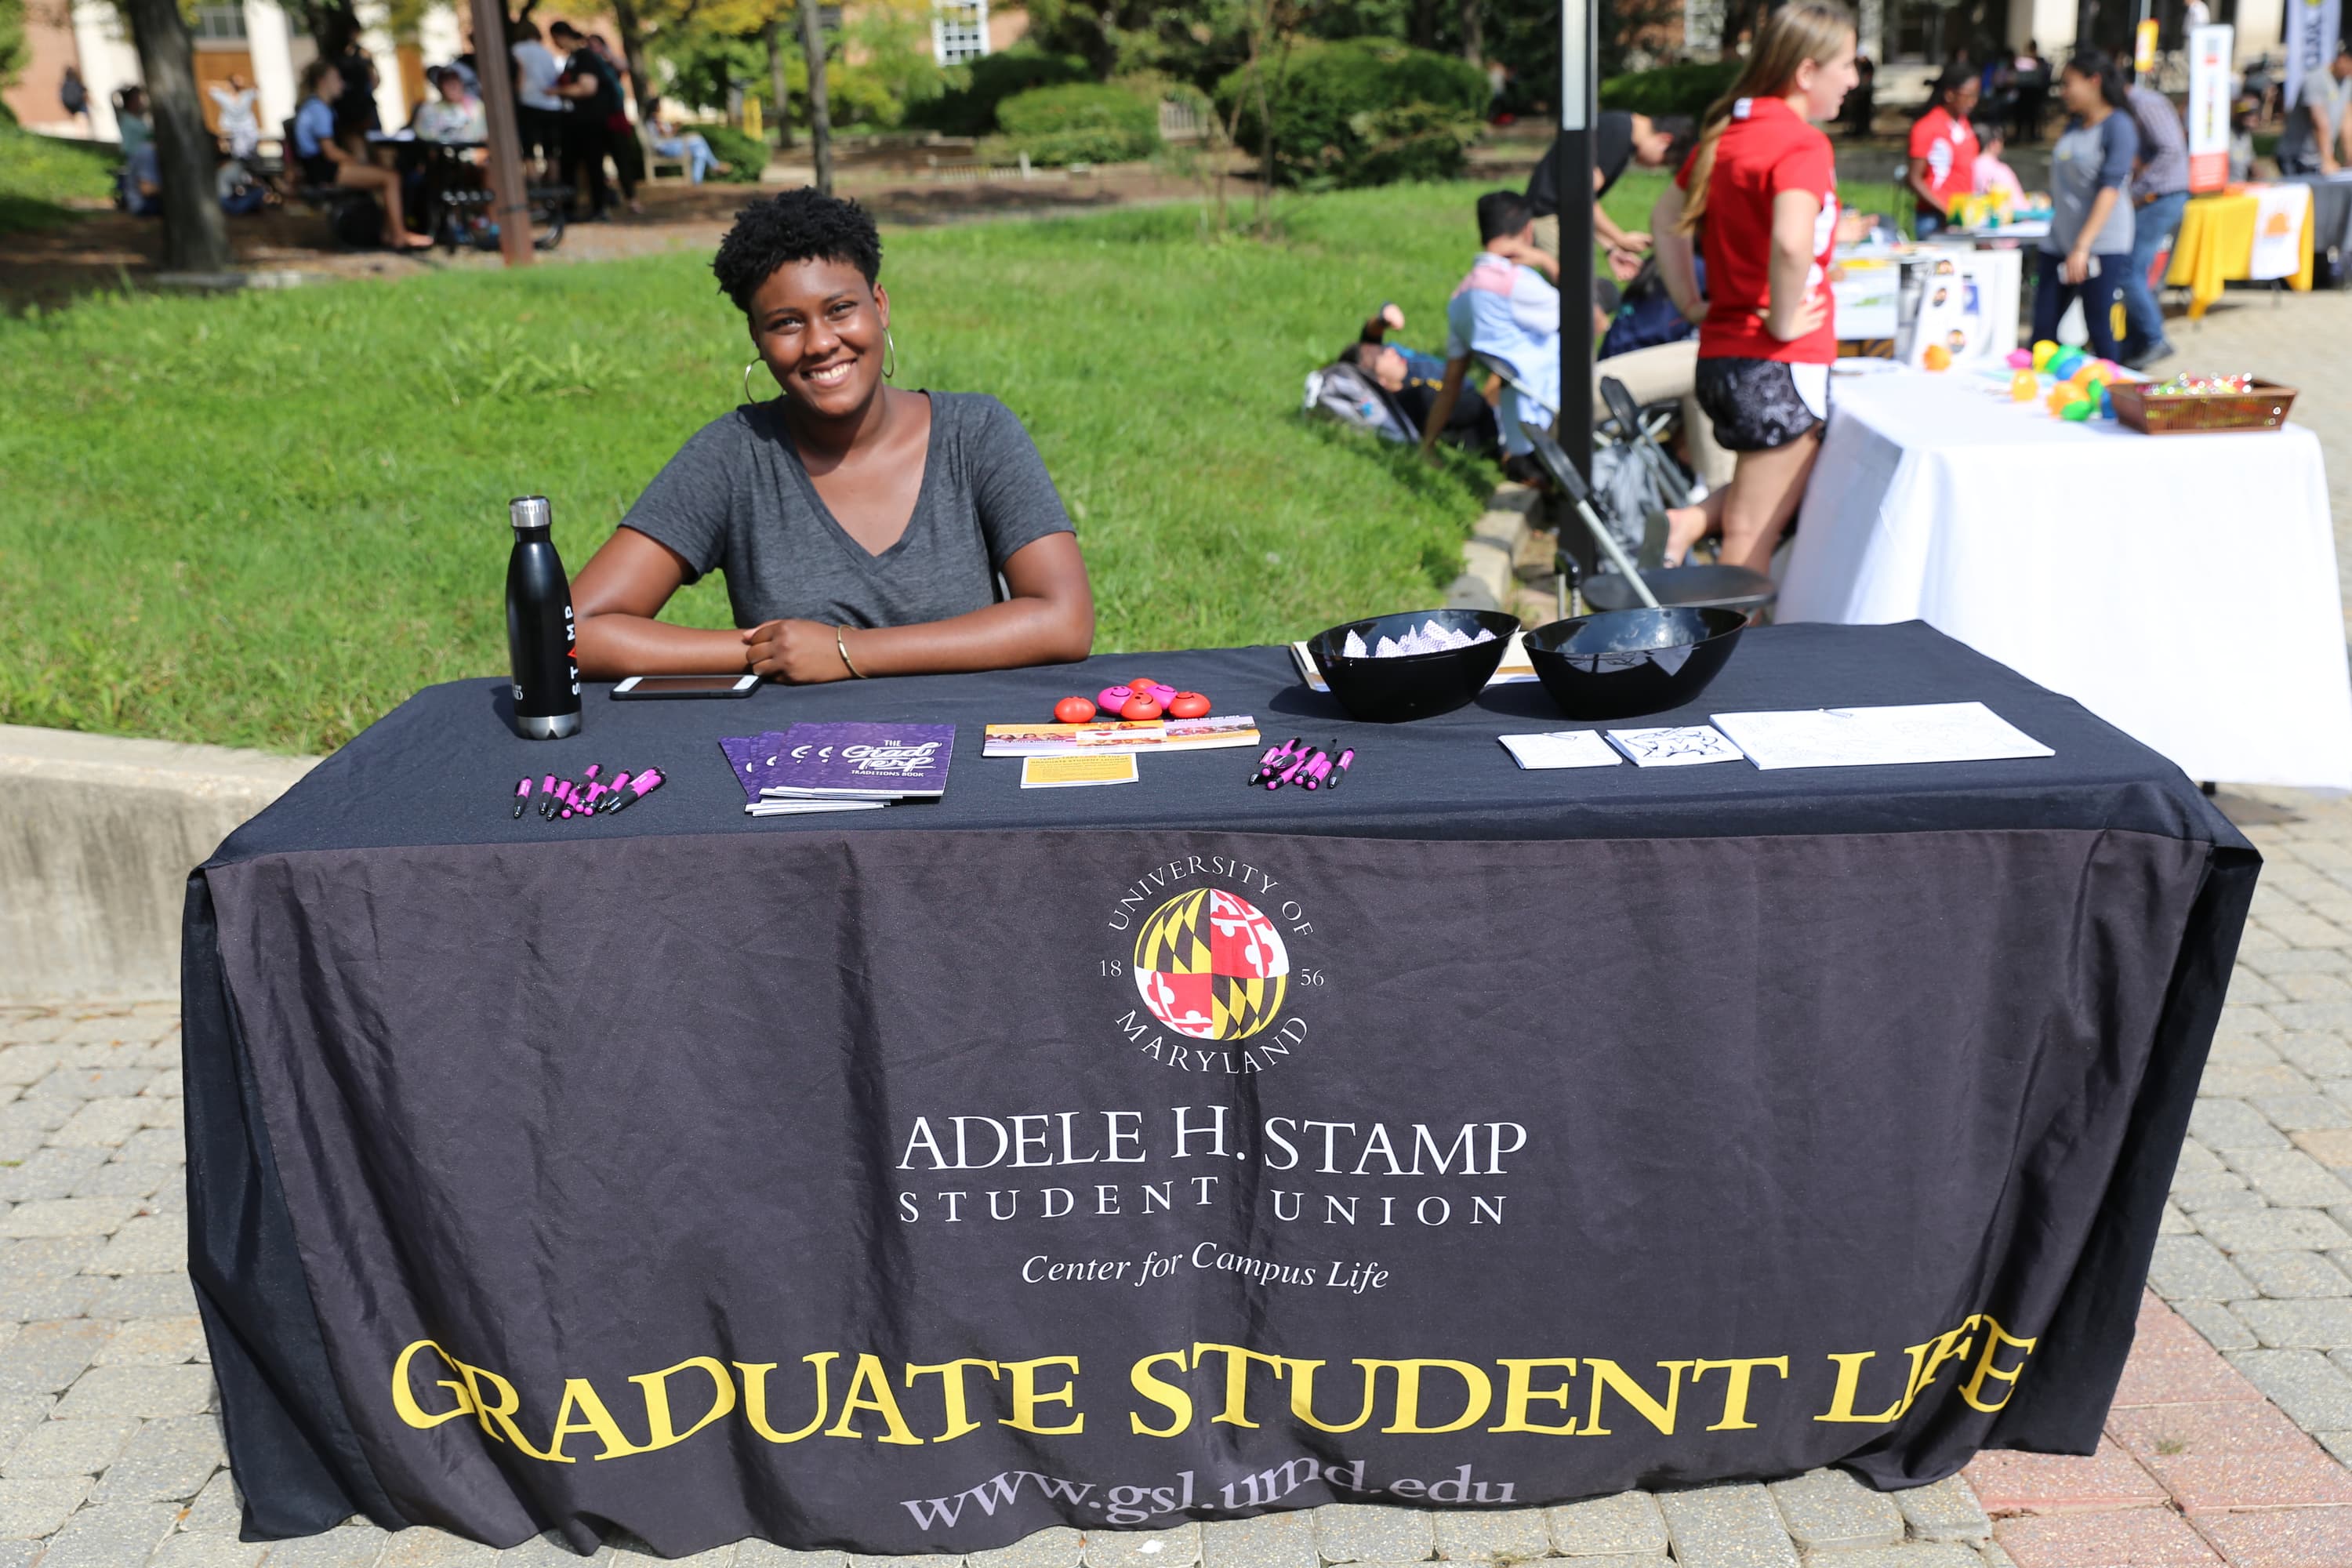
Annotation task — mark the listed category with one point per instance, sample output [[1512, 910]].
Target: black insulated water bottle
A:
[[541, 640]]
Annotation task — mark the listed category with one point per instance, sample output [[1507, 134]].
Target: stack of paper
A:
[[1561, 749], [1677, 746], [1875, 737], [811, 768]]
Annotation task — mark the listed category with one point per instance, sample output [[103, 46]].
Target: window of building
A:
[[221, 24], [959, 30], [1929, 31]]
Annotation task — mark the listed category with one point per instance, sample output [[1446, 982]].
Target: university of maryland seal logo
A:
[[1209, 966]]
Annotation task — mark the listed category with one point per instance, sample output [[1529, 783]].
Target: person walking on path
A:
[[73, 95], [2159, 191]]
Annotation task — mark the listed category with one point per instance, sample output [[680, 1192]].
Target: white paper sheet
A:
[[1876, 737], [1561, 749], [1677, 747]]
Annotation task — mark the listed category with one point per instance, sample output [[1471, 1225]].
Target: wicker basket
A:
[[2263, 406]]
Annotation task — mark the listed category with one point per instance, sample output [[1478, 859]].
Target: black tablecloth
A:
[[914, 1179]]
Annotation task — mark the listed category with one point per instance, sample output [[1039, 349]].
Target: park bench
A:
[[337, 203], [655, 165], [453, 224]]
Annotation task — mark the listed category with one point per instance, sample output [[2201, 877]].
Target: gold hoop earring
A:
[[890, 355], [746, 382]]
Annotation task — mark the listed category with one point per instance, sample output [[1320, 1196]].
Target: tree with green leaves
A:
[[14, 51], [195, 236]]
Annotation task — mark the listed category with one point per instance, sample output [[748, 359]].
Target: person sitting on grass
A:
[[1412, 379], [690, 149], [864, 529], [1507, 312], [323, 163]]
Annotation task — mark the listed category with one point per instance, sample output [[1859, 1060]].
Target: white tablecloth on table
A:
[[2181, 587]]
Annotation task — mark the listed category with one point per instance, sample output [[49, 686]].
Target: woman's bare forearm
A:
[[613, 644], [1006, 636]]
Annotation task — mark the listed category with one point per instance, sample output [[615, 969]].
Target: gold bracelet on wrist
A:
[[843, 649]]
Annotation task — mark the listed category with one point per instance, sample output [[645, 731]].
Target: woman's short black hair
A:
[[797, 226]]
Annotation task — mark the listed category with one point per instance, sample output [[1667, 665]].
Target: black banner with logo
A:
[[911, 1180], [911, 1192]]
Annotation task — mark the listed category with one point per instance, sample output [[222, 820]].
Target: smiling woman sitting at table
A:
[[864, 529]]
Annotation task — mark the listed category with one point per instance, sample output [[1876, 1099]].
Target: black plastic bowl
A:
[[1413, 685], [1684, 587], [1621, 663]]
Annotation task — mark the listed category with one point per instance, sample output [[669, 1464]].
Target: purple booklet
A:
[[860, 762], [755, 759]]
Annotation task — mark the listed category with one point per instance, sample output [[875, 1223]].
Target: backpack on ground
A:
[[1345, 394]]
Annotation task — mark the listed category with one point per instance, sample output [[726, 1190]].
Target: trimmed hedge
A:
[[744, 156], [971, 110], [1361, 112], [1689, 88], [1080, 122]]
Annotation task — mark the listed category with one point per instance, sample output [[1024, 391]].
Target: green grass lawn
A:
[[263, 520], [39, 174]]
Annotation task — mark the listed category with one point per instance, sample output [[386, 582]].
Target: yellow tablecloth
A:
[[2216, 243]]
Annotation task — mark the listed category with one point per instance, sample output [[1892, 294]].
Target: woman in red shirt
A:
[[1760, 192], [1944, 150]]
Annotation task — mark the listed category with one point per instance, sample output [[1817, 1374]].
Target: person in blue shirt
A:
[[1507, 311], [322, 162]]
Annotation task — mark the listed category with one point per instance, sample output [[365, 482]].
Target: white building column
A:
[[109, 60], [2261, 29], [439, 39], [2052, 27], [269, 39]]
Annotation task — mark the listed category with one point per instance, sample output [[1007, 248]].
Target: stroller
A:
[[1645, 581]]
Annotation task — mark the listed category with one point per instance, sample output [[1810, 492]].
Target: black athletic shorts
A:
[[1762, 405]]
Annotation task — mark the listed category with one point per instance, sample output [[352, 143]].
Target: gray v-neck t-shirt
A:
[[737, 498]]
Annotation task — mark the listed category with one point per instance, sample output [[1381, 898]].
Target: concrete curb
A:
[[96, 848], [1488, 555]]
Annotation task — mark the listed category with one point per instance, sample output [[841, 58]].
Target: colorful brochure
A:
[[1069, 772], [1088, 740], [861, 761], [874, 764]]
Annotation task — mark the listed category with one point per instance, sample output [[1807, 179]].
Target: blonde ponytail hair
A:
[[1799, 31]]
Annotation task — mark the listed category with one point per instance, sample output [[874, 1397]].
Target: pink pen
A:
[[547, 797], [590, 776], [1291, 774], [1273, 761], [588, 802], [644, 785], [1339, 768], [522, 795], [1317, 770], [613, 794]]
